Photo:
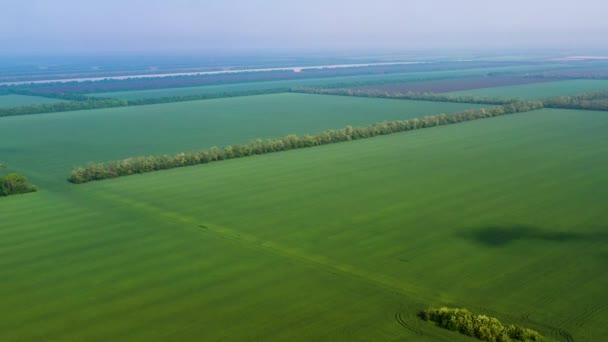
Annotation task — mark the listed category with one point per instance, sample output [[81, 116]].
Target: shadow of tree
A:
[[499, 236]]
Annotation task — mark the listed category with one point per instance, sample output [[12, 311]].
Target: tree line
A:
[[128, 84], [480, 326], [136, 165], [83, 102], [76, 101], [586, 101], [404, 96]]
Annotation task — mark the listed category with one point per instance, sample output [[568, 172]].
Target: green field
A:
[[316, 82], [60, 141], [341, 242], [539, 90], [23, 100]]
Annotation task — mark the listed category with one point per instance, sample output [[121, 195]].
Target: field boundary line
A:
[[415, 296], [315, 261], [139, 165]]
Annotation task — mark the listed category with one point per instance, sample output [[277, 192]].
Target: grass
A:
[[341, 242], [539, 90], [316, 82], [7, 101], [58, 142]]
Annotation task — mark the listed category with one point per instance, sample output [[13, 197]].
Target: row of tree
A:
[[599, 73], [587, 101], [480, 326], [404, 96], [82, 102], [129, 84], [138, 165]]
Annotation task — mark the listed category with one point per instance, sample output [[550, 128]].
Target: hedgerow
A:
[[404, 96], [83, 102], [586, 101], [138, 165]]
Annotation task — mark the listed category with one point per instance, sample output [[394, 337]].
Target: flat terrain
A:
[[204, 90], [540, 90], [23, 100], [175, 87], [58, 142], [340, 242], [452, 85]]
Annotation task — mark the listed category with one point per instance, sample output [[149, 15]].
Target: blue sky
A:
[[82, 26]]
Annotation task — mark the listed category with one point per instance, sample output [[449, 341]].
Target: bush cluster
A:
[[137, 165], [404, 96], [14, 183], [483, 327]]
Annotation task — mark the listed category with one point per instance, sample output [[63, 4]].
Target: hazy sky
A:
[[87, 26]]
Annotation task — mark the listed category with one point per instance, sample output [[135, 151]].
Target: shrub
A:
[[480, 326], [14, 183]]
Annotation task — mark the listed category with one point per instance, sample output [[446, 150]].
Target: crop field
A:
[[341, 242], [57, 142], [175, 87], [540, 90], [279, 86], [452, 85], [23, 100]]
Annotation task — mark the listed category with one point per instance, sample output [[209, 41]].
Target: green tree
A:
[[14, 183]]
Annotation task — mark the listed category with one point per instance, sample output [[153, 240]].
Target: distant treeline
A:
[[480, 326], [82, 102], [598, 74], [137, 165], [14, 183], [112, 85], [62, 107], [405, 96], [586, 101]]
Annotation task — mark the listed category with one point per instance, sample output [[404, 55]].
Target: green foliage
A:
[[83, 102], [542, 90], [117, 133], [17, 100], [405, 96], [14, 183], [137, 165], [587, 101], [483, 327], [62, 107], [335, 211]]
